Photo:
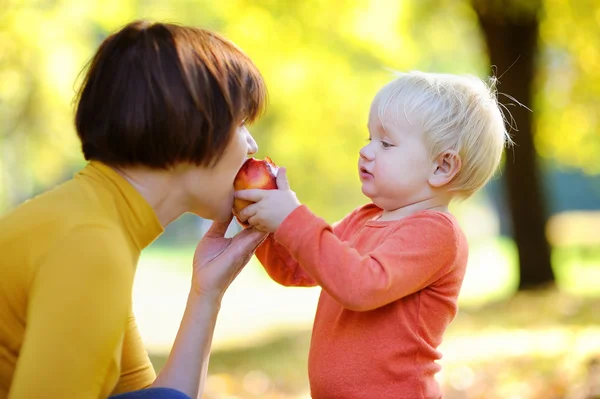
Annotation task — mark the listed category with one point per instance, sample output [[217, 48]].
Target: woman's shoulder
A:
[[68, 203], [64, 213], [58, 234]]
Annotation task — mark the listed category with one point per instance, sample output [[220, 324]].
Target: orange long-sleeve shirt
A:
[[389, 291], [67, 264]]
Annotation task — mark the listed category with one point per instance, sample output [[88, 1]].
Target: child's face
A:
[[395, 165]]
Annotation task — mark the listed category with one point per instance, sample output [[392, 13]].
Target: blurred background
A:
[[529, 322]]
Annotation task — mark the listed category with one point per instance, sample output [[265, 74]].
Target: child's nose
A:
[[365, 153]]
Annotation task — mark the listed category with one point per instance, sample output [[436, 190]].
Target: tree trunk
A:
[[512, 37]]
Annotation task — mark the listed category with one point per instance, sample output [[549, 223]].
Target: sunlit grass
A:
[[492, 272], [265, 308], [526, 348], [503, 344]]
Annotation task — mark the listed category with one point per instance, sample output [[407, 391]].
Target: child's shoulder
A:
[[364, 212], [437, 224], [432, 216], [371, 212], [368, 214], [430, 219]]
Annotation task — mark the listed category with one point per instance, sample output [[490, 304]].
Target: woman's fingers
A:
[[218, 229]]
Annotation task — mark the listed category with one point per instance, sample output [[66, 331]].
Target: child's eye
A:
[[385, 144]]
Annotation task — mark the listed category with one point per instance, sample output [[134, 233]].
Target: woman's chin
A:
[[216, 215], [222, 211], [223, 216]]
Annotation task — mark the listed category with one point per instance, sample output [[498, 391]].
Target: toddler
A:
[[391, 270]]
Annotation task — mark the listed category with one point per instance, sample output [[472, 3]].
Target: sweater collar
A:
[[138, 216]]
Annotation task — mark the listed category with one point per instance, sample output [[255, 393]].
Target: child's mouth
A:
[[365, 174]]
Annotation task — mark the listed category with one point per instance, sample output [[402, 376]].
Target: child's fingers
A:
[[282, 180], [247, 212], [253, 195], [253, 220]]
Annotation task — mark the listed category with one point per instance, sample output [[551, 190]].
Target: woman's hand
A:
[[218, 260]]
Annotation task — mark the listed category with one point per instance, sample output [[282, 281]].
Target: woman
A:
[[161, 116]]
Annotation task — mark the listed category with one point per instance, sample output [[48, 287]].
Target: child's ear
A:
[[445, 166]]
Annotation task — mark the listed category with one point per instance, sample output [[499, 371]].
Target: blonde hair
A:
[[456, 112]]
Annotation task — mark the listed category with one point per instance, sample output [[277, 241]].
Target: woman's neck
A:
[[160, 190]]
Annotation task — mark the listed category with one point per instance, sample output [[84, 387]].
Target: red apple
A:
[[254, 173]]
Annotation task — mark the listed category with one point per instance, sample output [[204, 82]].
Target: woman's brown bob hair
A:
[[158, 94]]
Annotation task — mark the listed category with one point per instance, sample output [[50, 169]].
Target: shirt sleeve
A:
[[282, 267], [137, 371], [76, 317], [417, 253]]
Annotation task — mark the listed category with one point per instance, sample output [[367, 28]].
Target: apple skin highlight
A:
[[254, 173]]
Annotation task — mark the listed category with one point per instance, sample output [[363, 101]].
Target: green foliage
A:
[[323, 62], [569, 81]]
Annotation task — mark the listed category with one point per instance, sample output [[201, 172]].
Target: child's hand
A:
[[270, 207]]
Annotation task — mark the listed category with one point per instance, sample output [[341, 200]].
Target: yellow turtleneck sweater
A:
[[67, 264]]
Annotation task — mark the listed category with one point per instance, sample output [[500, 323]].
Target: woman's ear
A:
[[445, 166]]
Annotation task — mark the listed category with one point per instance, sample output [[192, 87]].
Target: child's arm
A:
[[419, 252], [422, 249], [281, 265]]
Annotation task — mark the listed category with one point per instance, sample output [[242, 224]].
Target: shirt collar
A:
[[138, 216]]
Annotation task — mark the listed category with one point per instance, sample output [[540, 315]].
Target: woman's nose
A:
[[252, 146]]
